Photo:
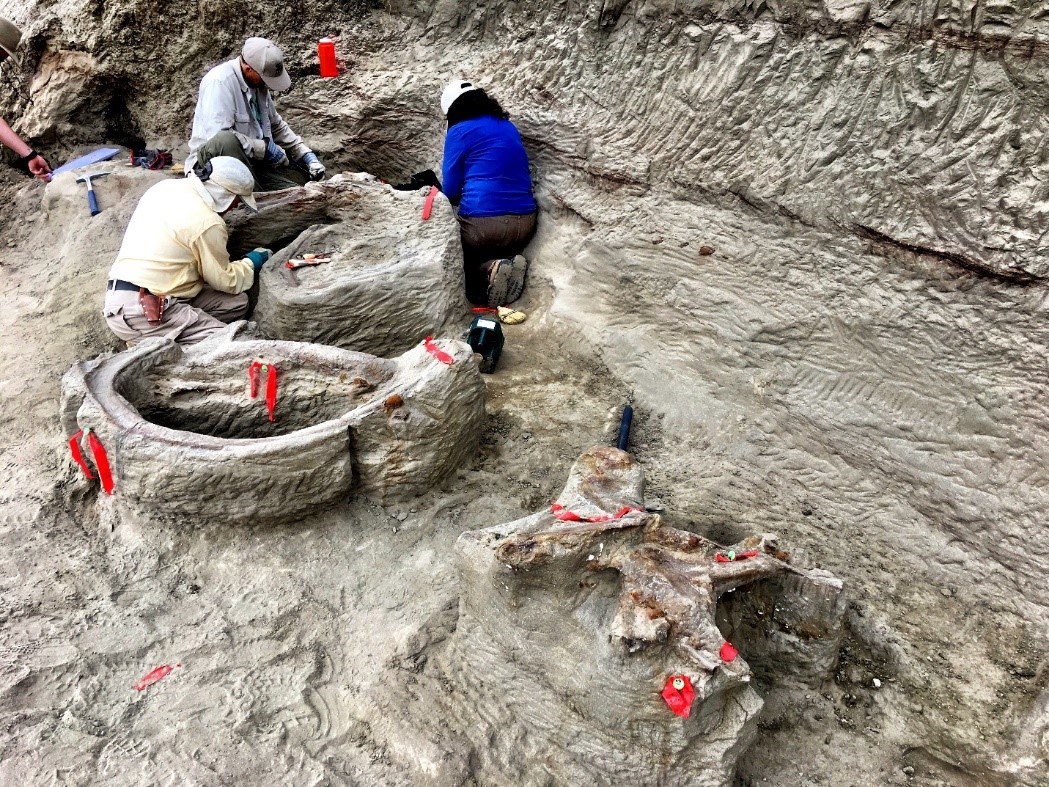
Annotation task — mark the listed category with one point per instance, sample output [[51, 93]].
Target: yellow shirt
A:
[[176, 242]]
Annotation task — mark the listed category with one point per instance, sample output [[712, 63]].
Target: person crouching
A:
[[486, 178], [173, 276]]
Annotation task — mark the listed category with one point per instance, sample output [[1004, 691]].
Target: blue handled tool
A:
[[624, 428], [92, 200]]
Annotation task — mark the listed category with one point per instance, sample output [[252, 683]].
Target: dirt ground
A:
[[883, 414]]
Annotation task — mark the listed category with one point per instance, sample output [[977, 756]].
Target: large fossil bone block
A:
[[392, 277], [597, 581], [186, 439]]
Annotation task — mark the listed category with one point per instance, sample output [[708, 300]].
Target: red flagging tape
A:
[[271, 385], [562, 513], [98, 453], [678, 693], [271, 392], [153, 676], [78, 455], [728, 652], [428, 205], [253, 377], [731, 557], [437, 352]]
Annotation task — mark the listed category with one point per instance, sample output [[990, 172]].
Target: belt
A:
[[118, 284]]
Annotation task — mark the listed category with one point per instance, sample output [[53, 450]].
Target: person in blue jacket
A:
[[486, 178]]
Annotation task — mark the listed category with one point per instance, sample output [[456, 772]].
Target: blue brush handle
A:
[[92, 202]]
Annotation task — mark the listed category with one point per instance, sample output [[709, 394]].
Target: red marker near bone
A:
[[678, 693]]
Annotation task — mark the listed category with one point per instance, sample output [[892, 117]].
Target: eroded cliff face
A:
[[919, 124], [859, 366]]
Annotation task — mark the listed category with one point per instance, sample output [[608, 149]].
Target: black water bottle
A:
[[486, 338]]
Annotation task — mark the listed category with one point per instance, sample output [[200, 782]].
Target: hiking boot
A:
[[506, 280]]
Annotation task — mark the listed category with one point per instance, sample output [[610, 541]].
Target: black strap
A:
[[119, 284]]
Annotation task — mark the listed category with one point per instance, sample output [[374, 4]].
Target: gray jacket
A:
[[226, 102]]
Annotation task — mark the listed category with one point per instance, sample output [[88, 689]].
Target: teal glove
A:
[[258, 258]]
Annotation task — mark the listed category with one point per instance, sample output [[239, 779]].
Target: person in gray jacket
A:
[[235, 116]]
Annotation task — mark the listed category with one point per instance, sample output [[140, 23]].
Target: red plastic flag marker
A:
[[679, 694], [562, 513], [271, 391], [428, 205], [728, 652], [271, 384], [253, 377], [437, 352], [78, 455], [98, 453], [731, 557], [153, 676]]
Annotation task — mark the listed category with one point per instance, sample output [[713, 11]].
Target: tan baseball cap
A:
[[266, 58], [9, 38]]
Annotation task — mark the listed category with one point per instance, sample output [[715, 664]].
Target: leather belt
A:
[[119, 284]]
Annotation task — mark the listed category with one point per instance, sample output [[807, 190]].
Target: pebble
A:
[[526, 435], [908, 771], [877, 683], [401, 516]]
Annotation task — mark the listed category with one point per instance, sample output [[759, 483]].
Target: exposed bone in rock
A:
[[641, 600], [186, 439], [392, 277]]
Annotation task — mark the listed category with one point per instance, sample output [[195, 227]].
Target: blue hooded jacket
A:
[[485, 168]]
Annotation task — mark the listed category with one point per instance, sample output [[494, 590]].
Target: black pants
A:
[[489, 238]]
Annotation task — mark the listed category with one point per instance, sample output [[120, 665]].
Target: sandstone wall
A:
[[920, 124]]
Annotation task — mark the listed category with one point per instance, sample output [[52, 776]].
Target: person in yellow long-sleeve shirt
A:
[[173, 276]]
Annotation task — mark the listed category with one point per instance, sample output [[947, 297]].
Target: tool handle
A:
[[624, 428], [92, 202]]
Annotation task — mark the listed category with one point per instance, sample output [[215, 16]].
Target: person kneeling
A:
[[235, 116], [173, 276], [486, 177]]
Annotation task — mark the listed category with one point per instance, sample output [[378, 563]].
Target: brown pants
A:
[[489, 238], [187, 321]]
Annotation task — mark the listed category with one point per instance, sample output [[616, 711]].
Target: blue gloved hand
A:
[[275, 154], [313, 165], [258, 258]]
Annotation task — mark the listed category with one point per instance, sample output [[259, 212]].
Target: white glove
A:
[[313, 165]]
